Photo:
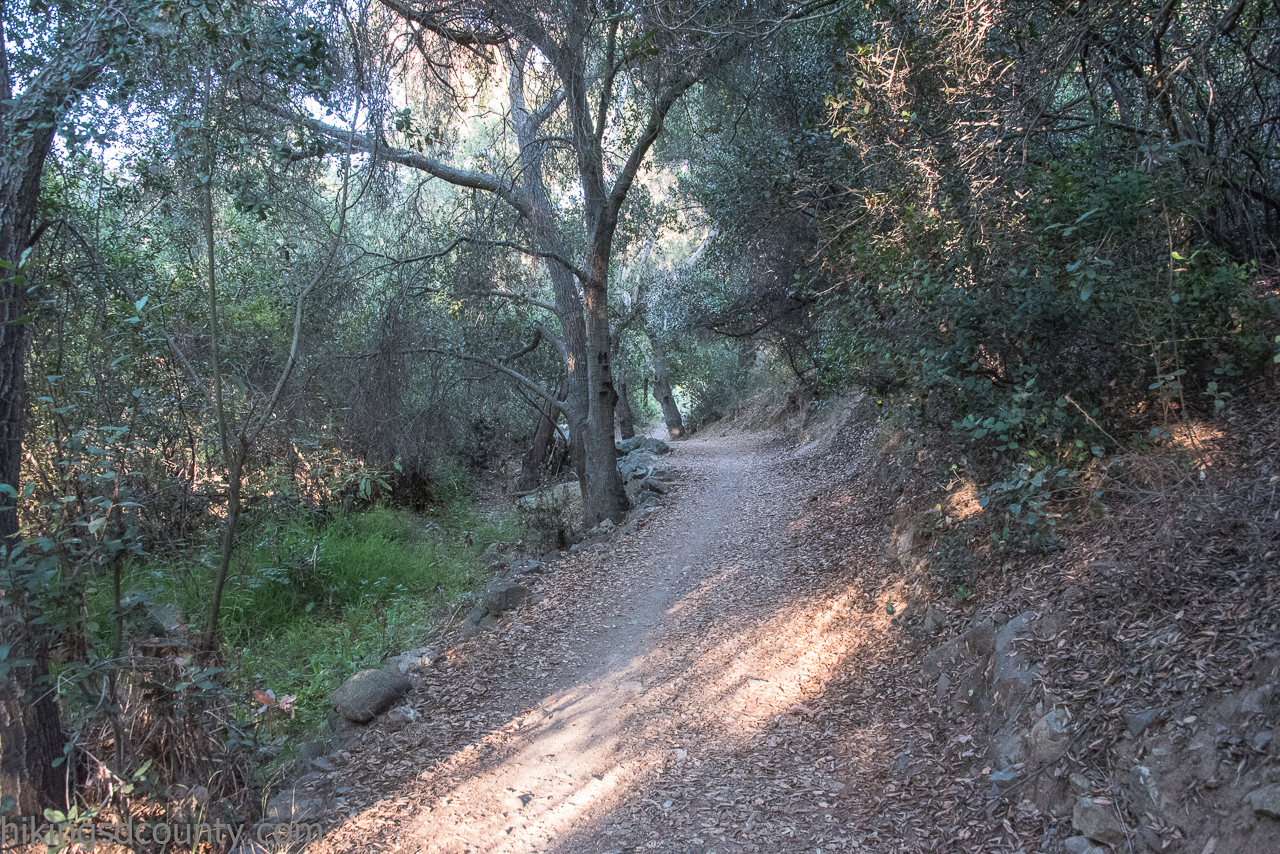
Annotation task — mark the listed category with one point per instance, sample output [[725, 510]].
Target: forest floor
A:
[[670, 692]]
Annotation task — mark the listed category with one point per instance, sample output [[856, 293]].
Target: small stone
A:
[[1262, 741], [1097, 821], [1001, 780], [403, 715], [1080, 784], [656, 486], [1138, 722], [289, 807], [1081, 845], [631, 687], [1142, 787], [1265, 802], [1256, 702], [934, 620], [323, 764], [904, 759], [1049, 736]]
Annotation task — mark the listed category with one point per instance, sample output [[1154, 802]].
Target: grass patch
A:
[[309, 601]]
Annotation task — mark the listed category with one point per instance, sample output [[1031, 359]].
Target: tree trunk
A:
[[544, 439], [626, 421], [662, 391], [603, 496], [30, 726]]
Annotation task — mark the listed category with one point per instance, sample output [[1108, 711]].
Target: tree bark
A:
[[544, 440], [662, 391], [626, 421]]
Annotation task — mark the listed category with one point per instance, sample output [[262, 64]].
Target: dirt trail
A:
[[666, 695]]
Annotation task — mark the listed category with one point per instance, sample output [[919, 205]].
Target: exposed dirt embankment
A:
[[770, 662]]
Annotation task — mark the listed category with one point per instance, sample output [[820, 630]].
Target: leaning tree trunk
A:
[[626, 421], [544, 439], [662, 391]]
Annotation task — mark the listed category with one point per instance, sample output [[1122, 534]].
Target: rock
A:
[[1142, 788], [604, 529], [291, 807], [934, 620], [367, 694], [656, 486], [1097, 821], [323, 764], [636, 443], [1265, 802], [1012, 675], [1007, 746], [1261, 741], [1001, 780], [1049, 736], [1138, 722], [975, 643], [1080, 784], [413, 659], [402, 715], [310, 750], [1081, 845], [1257, 700], [503, 594]]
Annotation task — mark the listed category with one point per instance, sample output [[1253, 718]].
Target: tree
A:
[[30, 728], [588, 89]]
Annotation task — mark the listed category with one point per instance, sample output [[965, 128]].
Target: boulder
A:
[[1049, 736], [503, 594], [1097, 821], [1265, 802], [367, 694]]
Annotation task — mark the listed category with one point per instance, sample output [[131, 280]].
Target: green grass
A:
[[308, 602]]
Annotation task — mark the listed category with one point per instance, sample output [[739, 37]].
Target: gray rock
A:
[[934, 620], [402, 715], [291, 806], [1261, 741], [1097, 821], [309, 750], [1139, 722], [1142, 788], [1007, 746], [503, 594], [1049, 736], [1012, 675], [1081, 845], [601, 530], [1001, 780], [1265, 802], [414, 659], [1080, 784], [976, 643], [367, 694], [323, 764], [1256, 702], [656, 486], [656, 446]]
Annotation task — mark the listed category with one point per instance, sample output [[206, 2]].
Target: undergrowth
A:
[[313, 599]]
